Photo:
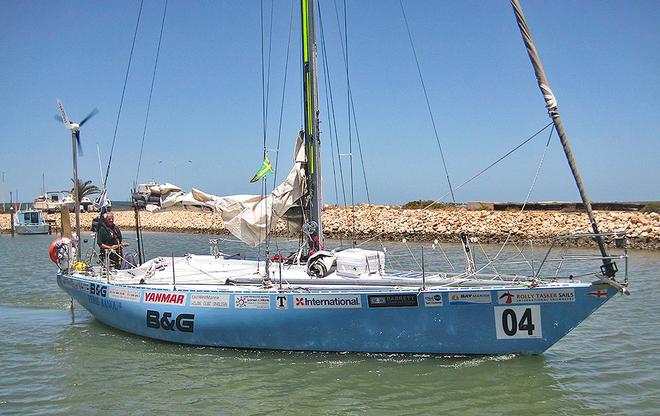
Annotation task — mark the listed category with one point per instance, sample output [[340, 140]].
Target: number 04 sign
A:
[[517, 322]]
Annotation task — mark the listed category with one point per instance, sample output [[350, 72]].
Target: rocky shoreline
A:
[[396, 223]]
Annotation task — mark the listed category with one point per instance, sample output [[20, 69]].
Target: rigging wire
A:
[[529, 192], [351, 111], [263, 77], [344, 49], [151, 90], [351, 106], [279, 127], [359, 143], [270, 48], [348, 102], [405, 242], [286, 68], [263, 116], [332, 145], [444, 254], [332, 109], [503, 157], [265, 82], [428, 103], [481, 172], [123, 93], [328, 97]]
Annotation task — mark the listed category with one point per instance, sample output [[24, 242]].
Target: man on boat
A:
[[109, 238]]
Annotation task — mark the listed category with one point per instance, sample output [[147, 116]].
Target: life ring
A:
[[54, 251]]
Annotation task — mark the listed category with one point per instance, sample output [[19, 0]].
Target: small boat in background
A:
[[30, 221], [53, 201], [87, 205]]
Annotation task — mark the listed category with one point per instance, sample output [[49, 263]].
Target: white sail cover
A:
[[248, 217]]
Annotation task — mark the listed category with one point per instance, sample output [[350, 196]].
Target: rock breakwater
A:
[[395, 223]]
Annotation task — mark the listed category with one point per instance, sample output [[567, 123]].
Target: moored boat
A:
[[53, 201], [30, 221]]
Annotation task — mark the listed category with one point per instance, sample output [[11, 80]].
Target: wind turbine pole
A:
[[75, 192], [75, 144]]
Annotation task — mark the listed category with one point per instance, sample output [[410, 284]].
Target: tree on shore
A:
[[84, 189]]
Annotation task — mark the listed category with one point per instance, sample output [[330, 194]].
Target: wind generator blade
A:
[[58, 117], [63, 116], [80, 150], [90, 115]]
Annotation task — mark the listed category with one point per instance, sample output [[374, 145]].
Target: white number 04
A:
[[516, 322]]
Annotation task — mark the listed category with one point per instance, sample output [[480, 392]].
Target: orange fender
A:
[[55, 247]]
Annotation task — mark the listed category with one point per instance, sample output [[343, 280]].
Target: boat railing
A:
[[105, 265], [620, 242], [561, 262]]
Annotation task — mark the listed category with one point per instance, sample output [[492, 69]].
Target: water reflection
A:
[[132, 372]]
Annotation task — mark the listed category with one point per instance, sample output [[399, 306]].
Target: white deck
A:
[[210, 273]]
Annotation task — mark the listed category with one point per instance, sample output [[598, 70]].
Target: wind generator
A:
[[76, 148]]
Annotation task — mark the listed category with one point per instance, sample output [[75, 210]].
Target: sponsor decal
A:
[[518, 322], [252, 301], [112, 305], [509, 297], [461, 298], [391, 301], [432, 300], [598, 293], [170, 298], [121, 293], [98, 290], [327, 301], [281, 302], [209, 301], [184, 322]]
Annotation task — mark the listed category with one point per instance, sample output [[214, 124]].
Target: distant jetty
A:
[[393, 223]]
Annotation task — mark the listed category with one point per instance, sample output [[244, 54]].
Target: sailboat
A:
[[341, 300]]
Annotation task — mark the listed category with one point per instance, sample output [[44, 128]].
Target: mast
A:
[[609, 267], [311, 206]]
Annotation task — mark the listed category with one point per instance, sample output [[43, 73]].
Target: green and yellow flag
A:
[[265, 169]]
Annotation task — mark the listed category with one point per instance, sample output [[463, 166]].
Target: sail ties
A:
[[550, 101]]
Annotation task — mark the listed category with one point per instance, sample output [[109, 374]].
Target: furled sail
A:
[[248, 217]]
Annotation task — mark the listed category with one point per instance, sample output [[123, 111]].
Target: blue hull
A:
[[447, 321]]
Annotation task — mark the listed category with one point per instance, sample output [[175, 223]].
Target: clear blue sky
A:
[[602, 59]]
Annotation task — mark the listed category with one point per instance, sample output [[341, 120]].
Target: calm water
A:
[[57, 361]]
